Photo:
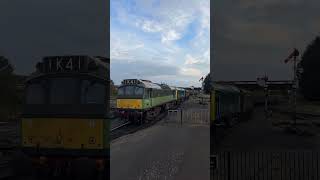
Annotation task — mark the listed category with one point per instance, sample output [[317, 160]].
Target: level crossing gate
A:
[[189, 116]]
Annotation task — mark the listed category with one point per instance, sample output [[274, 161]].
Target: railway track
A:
[[129, 128], [120, 126], [9, 135], [5, 169], [9, 139]]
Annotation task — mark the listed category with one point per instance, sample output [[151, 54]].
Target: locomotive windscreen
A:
[[130, 91]]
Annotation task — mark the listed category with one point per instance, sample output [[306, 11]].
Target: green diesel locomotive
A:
[[141, 100]]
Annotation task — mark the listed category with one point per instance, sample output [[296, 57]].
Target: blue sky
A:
[[160, 40]]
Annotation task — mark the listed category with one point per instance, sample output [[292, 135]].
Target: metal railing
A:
[[265, 165], [192, 116]]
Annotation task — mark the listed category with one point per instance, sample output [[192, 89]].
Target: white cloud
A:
[[171, 35], [126, 46], [190, 72], [156, 29], [149, 26], [204, 59], [205, 14], [190, 60], [171, 23]]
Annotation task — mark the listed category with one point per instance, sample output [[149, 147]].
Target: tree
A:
[[9, 97], [207, 84], [113, 89], [309, 79]]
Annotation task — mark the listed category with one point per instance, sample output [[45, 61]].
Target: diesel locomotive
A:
[[64, 126], [141, 100]]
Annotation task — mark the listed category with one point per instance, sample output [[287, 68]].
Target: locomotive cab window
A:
[[130, 91], [138, 91], [35, 93], [121, 91], [66, 95], [91, 92]]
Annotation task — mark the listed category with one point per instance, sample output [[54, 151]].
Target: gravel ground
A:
[[261, 148], [261, 134]]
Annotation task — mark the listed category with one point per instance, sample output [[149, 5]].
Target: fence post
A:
[[229, 166], [181, 117]]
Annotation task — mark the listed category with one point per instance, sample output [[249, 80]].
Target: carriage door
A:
[[218, 108]]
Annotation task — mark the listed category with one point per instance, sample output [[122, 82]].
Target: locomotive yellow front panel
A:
[[129, 103], [62, 133]]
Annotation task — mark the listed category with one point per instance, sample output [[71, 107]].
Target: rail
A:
[[120, 126]]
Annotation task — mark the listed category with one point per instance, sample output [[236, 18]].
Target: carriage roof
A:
[[226, 88]]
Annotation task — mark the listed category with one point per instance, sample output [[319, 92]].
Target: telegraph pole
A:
[[294, 55], [266, 100], [294, 88], [266, 91], [263, 83]]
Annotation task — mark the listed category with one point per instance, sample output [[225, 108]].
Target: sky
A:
[[32, 29], [160, 40], [253, 37]]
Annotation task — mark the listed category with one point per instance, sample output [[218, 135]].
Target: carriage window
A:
[[35, 94]]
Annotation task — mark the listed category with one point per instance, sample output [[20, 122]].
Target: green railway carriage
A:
[[181, 94], [229, 103], [138, 99], [227, 99]]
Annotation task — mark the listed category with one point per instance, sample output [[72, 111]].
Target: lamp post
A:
[[263, 83], [294, 86]]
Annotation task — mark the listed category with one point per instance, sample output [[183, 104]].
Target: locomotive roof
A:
[[149, 84], [141, 82], [226, 88]]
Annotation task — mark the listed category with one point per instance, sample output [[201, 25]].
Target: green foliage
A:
[[113, 89], [9, 97], [309, 79], [207, 84]]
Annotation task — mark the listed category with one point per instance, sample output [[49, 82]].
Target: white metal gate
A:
[[188, 116]]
